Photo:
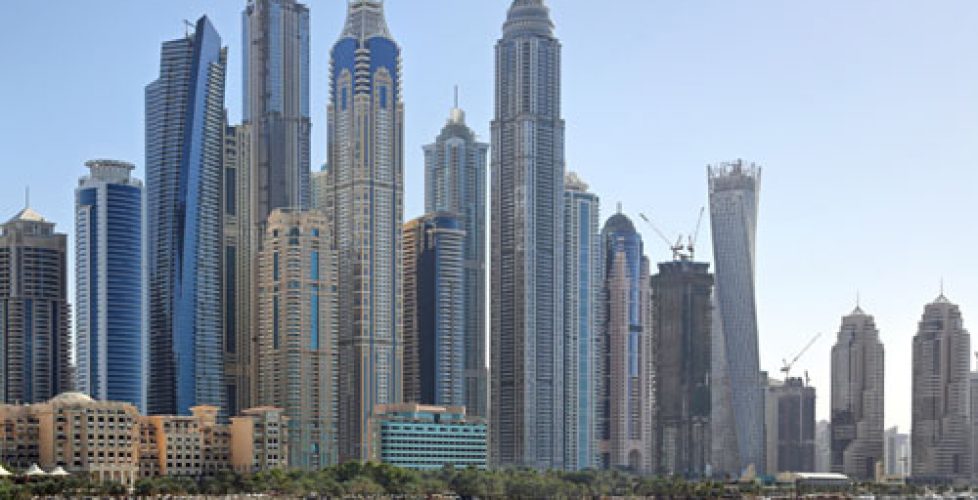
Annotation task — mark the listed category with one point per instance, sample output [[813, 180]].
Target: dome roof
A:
[[619, 223], [528, 17], [71, 398]]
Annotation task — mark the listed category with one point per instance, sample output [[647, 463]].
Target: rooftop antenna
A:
[[456, 96], [619, 207], [27, 196]]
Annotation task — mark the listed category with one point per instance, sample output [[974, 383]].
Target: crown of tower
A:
[[528, 17], [365, 19]]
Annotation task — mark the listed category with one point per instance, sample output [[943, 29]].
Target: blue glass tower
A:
[[109, 330], [184, 142], [366, 189]]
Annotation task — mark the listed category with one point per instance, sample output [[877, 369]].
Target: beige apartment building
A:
[[111, 441]]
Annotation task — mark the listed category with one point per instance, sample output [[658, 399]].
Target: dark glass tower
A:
[[365, 191], [527, 410], [184, 171], [111, 341]]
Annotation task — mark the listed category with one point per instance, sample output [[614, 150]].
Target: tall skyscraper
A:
[[434, 310], [320, 188], [184, 171], [366, 191], [582, 302], [110, 336], [527, 418], [297, 352], [823, 446], [34, 361], [274, 158], [625, 351], [790, 425], [738, 392], [857, 397], [941, 430], [455, 182], [682, 297]]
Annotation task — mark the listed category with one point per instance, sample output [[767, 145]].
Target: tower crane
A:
[[680, 251], [786, 369]]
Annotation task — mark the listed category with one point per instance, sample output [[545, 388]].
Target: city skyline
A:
[[795, 315]]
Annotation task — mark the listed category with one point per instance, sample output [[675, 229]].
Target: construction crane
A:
[[680, 251], [786, 369]]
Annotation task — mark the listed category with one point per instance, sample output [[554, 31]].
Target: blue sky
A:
[[863, 114]]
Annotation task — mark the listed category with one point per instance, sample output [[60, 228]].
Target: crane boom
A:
[[786, 369]]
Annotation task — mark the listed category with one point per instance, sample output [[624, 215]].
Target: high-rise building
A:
[[896, 452], [941, 429], [790, 426], [527, 418], [320, 188], [434, 310], [110, 338], [738, 392], [273, 149], [184, 174], [34, 361], [973, 424], [455, 182], [857, 397], [582, 303], [625, 353], [365, 208], [682, 315], [823, 446], [297, 353]]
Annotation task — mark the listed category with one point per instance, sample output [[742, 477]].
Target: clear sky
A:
[[863, 114]]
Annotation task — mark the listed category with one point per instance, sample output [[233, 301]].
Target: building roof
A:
[[619, 223], [28, 214], [365, 20], [71, 398], [528, 17]]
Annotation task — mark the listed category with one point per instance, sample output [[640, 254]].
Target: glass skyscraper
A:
[[738, 387], [366, 191], [527, 410], [110, 337], [582, 291], [455, 182], [184, 172], [625, 350]]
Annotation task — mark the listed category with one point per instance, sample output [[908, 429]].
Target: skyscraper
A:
[[274, 153], [896, 448], [366, 189], [682, 316], [527, 418], [857, 397], [455, 182], [34, 361], [297, 352], [738, 393], [790, 424], [184, 172], [941, 430], [582, 292], [626, 352], [110, 338], [434, 310]]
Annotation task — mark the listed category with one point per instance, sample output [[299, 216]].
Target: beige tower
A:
[[297, 352]]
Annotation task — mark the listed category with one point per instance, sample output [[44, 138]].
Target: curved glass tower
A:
[[110, 339], [365, 186], [738, 391], [184, 167], [527, 419]]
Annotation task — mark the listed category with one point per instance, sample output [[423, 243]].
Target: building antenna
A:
[[456, 96], [27, 196]]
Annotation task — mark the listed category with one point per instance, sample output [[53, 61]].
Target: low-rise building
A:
[[259, 440], [426, 437]]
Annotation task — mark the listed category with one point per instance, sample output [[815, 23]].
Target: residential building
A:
[[790, 426], [682, 297], [366, 191], [527, 410], [34, 363], [297, 353], [738, 392], [427, 437], [582, 303], [184, 174], [274, 155], [455, 182], [823, 446], [110, 338], [857, 397], [260, 440], [896, 452], [625, 352], [941, 427], [320, 188], [434, 310], [973, 423]]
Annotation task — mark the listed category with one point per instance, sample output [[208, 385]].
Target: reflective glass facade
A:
[[184, 141], [110, 335]]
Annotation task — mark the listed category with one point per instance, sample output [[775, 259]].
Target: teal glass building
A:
[[423, 437]]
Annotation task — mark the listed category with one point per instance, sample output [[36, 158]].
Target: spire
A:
[[858, 311], [942, 299], [456, 116], [365, 20]]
